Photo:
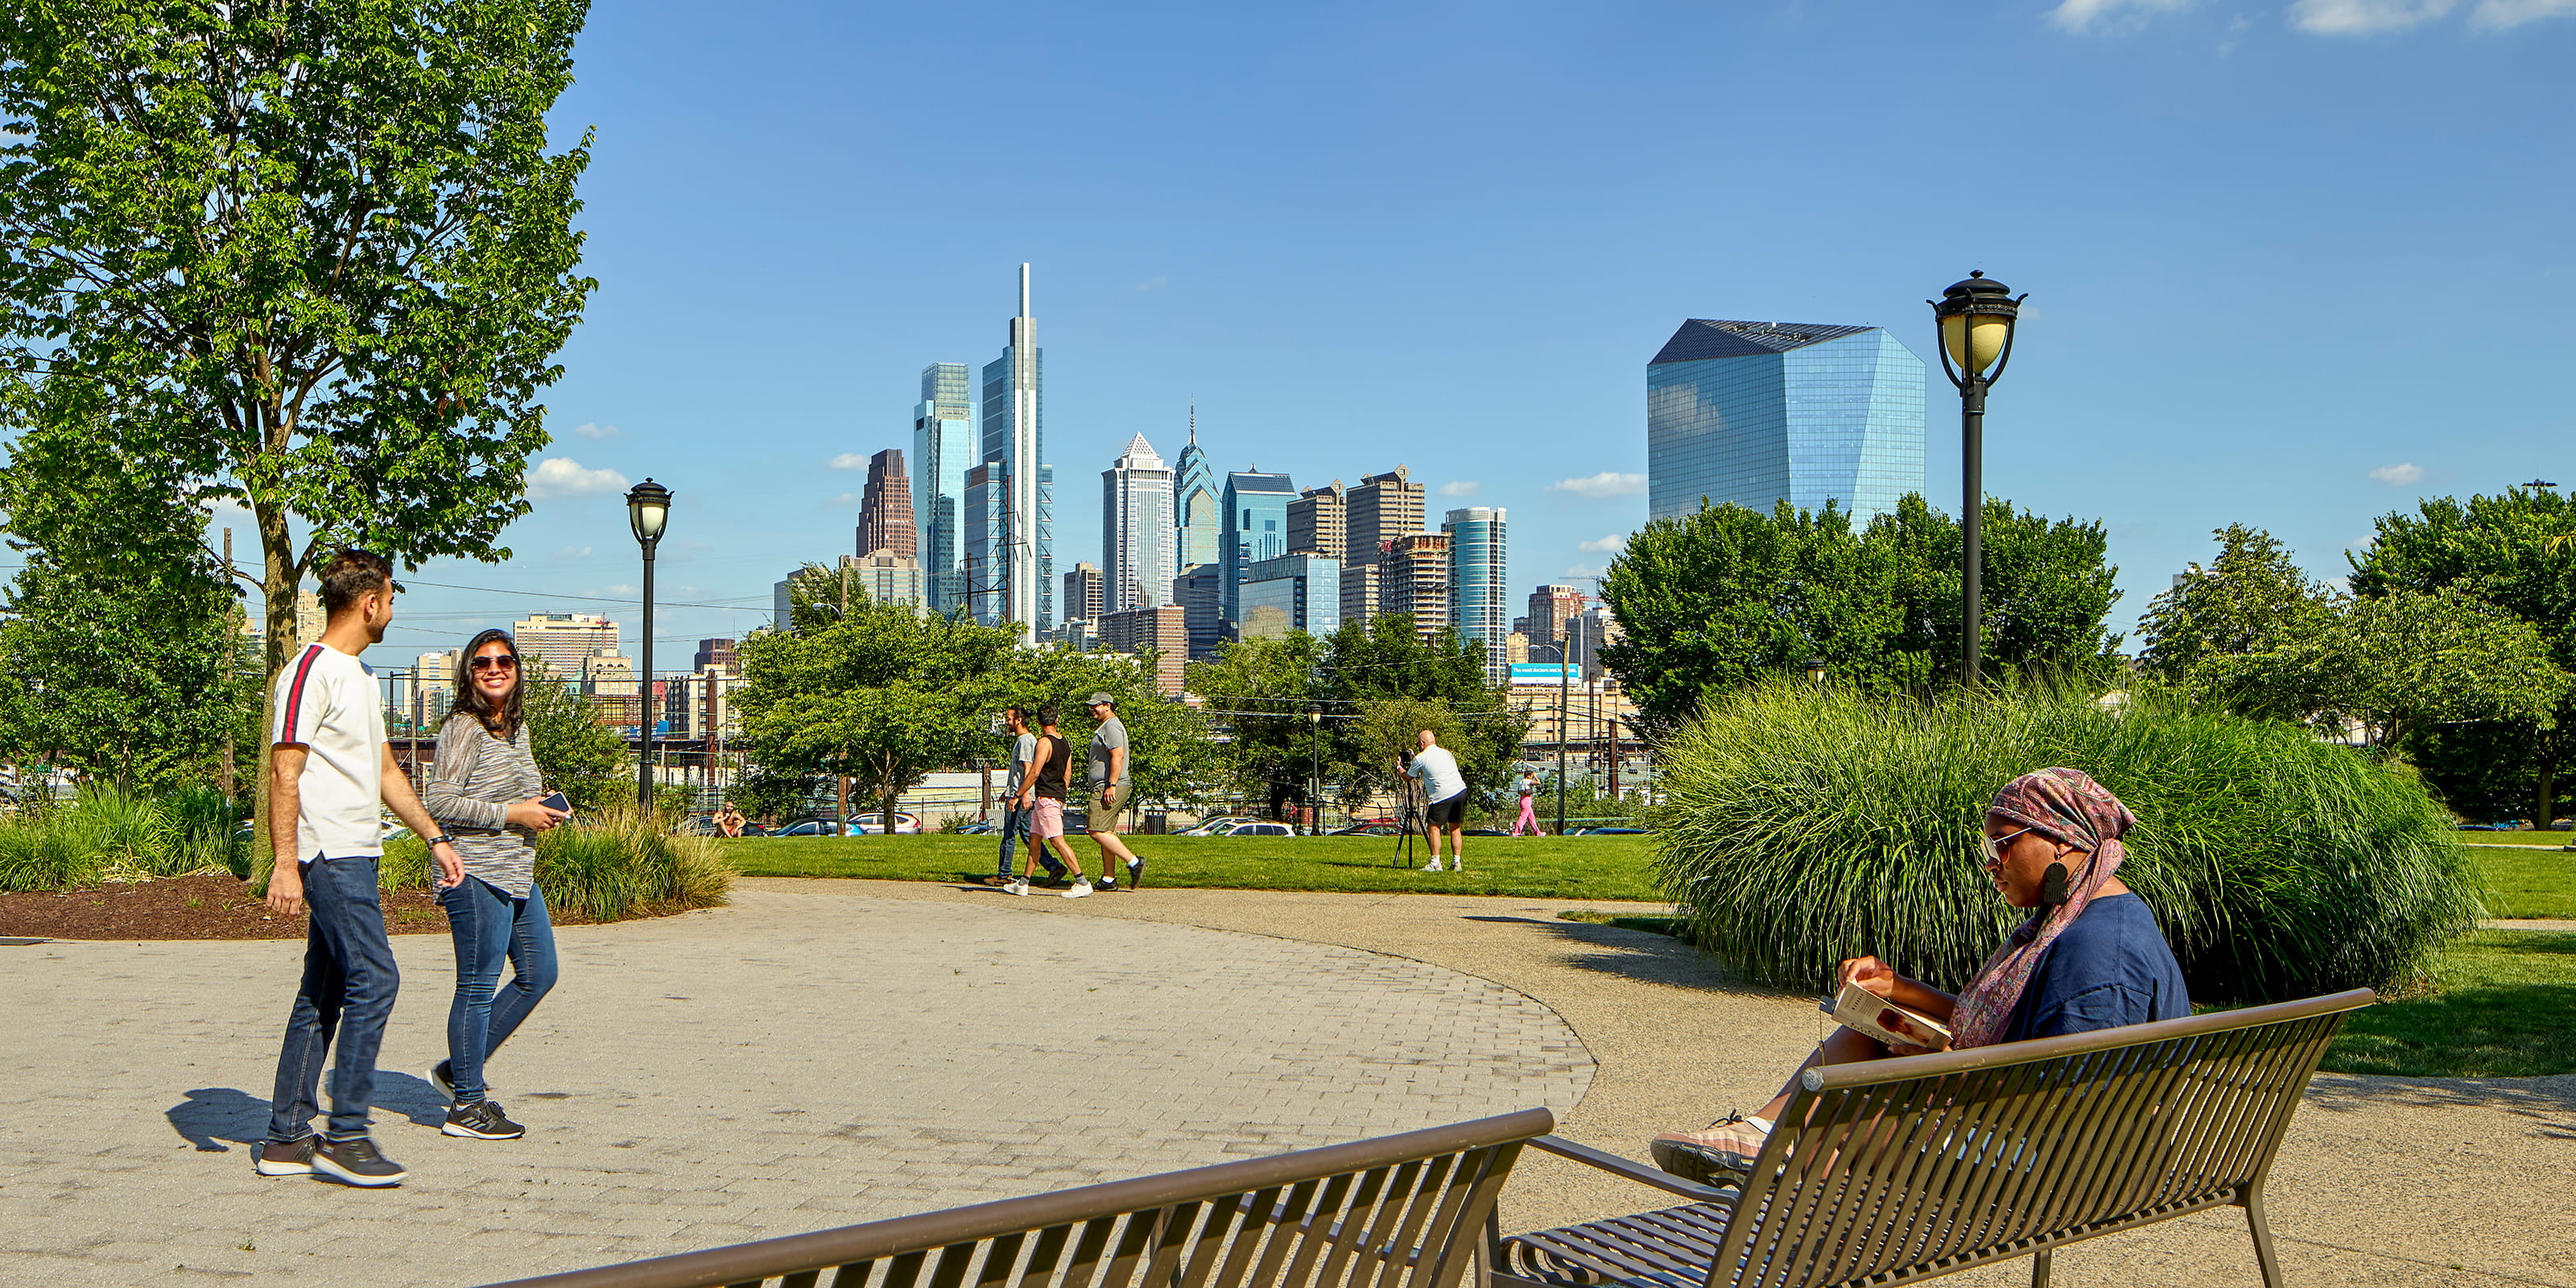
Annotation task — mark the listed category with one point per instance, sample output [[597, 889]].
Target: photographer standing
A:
[[1446, 790]]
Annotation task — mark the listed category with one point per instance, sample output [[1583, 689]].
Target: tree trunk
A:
[[280, 578], [2545, 808]]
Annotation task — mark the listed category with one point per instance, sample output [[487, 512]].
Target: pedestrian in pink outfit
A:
[[1529, 811]]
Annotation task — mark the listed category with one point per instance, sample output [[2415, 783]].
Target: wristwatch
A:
[[441, 839]]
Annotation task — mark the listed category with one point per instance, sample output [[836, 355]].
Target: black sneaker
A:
[[1107, 882], [1135, 874], [356, 1162], [481, 1120], [443, 1077], [285, 1158], [1053, 865]]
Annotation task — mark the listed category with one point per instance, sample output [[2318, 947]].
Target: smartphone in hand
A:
[[556, 801]]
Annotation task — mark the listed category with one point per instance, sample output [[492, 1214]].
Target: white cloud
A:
[[1581, 572], [1609, 545], [560, 476], [1604, 484], [842, 502], [620, 589], [1463, 487], [849, 461], [588, 430], [2399, 475], [2498, 15], [573, 552], [2361, 17], [1153, 284], [2109, 16]]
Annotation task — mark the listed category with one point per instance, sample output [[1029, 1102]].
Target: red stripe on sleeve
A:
[[295, 691]]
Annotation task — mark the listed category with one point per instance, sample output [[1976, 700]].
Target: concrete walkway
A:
[[830, 1051]]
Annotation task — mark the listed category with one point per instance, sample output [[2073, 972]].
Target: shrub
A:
[[37, 853], [607, 868], [1807, 826], [108, 834]]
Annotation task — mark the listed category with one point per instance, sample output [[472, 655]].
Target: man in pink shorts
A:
[[1042, 796]]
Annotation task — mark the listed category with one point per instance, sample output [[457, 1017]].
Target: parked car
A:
[[874, 824], [1258, 827], [1484, 831], [1608, 831], [2500, 825], [978, 828], [811, 827], [1217, 826], [1366, 827]]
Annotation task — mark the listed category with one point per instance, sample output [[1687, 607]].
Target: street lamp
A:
[[1976, 318], [648, 505], [1315, 760], [1816, 671]]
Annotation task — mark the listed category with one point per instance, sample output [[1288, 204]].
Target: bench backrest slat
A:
[[1897, 1168]]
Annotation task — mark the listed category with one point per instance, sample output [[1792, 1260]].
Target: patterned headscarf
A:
[[2068, 807]]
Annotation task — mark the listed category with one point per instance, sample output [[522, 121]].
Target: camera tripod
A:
[[1408, 818]]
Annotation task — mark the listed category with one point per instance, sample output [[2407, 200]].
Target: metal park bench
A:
[[1887, 1171], [1406, 1211]]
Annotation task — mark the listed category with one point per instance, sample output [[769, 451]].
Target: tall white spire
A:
[[1024, 290]]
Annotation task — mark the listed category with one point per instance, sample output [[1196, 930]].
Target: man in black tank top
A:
[[1043, 801]]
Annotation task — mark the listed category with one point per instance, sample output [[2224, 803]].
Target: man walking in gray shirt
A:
[[1111, 773]]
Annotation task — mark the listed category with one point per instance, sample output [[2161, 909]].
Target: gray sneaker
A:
[[285, 1158], [356, 1162]]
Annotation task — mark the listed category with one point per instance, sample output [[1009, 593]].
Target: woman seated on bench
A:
[[2090, 958]]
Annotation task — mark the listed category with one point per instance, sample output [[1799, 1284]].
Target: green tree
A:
[[315, 256], [575, 750], [882, 695], [1261, 689], [2510, 551], [2396, 664], [2046, 591], [2250, 599], [1387, 661], [1171, 759]]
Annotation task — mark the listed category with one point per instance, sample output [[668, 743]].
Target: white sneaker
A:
[[1432, 866], [1078, 890], [1020, 888]]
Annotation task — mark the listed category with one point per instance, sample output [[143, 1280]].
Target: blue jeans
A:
[[1015, 828], [348, 990], [489, 927]]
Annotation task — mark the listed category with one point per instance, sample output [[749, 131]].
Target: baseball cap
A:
[[1099, 698]]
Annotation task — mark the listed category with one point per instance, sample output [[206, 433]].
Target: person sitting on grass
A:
[[2090, 957]]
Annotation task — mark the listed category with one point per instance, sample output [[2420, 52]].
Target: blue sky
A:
[[2291, 263]]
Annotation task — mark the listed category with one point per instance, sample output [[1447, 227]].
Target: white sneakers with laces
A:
[[1078, 890]]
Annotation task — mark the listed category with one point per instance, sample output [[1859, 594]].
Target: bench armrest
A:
[[1638, 1172]]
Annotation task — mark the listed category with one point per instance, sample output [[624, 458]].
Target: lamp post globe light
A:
[[1816, 671], [1976, 318], [648, 506]]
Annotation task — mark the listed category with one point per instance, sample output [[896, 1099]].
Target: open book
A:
[[1867, 1013]]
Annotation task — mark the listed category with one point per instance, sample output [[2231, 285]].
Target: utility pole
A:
[[1564, 702]]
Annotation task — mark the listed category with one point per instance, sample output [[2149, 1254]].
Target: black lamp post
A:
[[1976, 318], [1315, 761], [648, 505], [1816, 671]]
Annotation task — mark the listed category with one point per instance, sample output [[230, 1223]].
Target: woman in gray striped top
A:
[[486, 792]]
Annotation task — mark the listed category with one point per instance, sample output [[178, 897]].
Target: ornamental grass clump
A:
[[1805, 826], [605, 867], [108, 834]]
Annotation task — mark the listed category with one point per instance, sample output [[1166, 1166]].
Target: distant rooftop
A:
[[1712, 338]]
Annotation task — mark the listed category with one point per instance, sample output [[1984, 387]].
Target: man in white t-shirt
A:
[[329, 771], [1444, 790]]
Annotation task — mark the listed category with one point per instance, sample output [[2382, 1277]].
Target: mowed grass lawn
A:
[[1553, 867]]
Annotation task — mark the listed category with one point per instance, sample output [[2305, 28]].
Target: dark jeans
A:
[[348, 990], [1015, 828], [490, 926]]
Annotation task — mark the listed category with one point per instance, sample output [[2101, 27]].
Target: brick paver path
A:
[[795, 1062]]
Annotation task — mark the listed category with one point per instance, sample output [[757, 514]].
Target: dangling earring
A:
[[2052, 886]]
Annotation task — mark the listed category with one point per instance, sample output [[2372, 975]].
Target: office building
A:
[[1315, 525], [1011, 515], [1516, 648], [885, 508], [423, 698], [1084, 600], [1550, 607], [1479, 603], [1253, 527], [1203, 608], [1137, 535], [1585, 636], [1195, 503], [607, 679], [1159, 630], [1294, 592], [1754, 413], [563, 643], [309, 618], [944, 447], [1383, 509], [717, 654], [885, 577], [1413, 578]]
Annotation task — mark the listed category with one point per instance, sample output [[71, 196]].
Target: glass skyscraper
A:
[[1480, 606], [1136, 531], [943, 449], [1757, 412], [1018, 510], [1194, 503], [1253, 527]]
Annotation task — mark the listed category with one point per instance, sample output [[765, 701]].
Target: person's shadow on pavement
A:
[[212, 1115]]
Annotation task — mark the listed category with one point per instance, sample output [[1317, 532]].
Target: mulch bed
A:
[[199, 907]]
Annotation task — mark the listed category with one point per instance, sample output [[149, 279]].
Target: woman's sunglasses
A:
[[496, 662], [1993, 846]]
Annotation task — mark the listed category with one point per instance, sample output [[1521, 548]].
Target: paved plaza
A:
[[825, 1052]]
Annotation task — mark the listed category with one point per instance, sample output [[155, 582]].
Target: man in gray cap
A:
[[1111, 771]]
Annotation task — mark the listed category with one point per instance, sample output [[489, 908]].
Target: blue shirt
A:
[[2112, 967]]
